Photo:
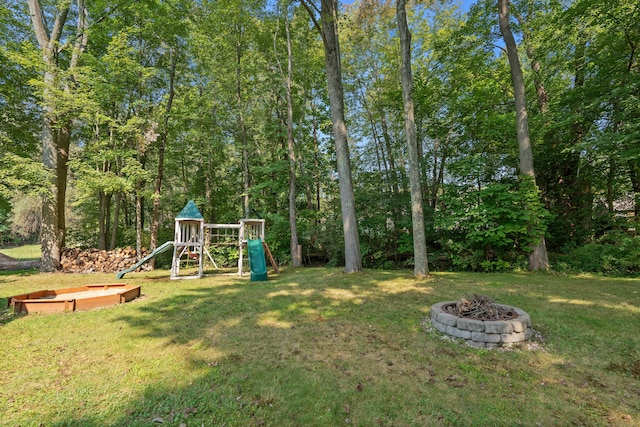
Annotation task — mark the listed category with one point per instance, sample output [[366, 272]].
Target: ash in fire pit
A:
[[481, 322]]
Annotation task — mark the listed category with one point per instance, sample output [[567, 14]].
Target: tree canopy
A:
[[148, 104]]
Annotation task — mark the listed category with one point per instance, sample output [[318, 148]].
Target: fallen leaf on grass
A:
[[455, 382], [187, 411]]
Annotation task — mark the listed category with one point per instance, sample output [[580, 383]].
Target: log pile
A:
[[76, 260], [481, 307]]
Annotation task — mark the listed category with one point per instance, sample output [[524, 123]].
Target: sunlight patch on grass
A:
[[317, 347], [395, 287], [292, 292], [231, 322], [272, 319], [339, 294], [570, 301], [573, 301]]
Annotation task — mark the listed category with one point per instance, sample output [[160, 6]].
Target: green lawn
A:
[[316, 347], [26, 252]]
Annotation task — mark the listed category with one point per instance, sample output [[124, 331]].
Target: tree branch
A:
[[310, 9], [81, 36], [56, 33], [38, 25]]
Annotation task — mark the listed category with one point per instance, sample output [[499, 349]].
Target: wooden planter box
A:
[[72, 299]]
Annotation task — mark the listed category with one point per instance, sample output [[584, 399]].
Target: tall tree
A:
[[421, 266], [328, 28], [56, 129], [538, 259], [296, 255], [155, 217]]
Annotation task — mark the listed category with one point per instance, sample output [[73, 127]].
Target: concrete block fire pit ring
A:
[[482, 333]]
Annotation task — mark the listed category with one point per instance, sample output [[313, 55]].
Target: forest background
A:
[[226, 103]]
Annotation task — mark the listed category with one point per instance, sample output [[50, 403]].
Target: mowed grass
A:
[[317, 347], [25, 252]]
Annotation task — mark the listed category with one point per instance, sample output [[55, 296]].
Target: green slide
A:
[[158, 250], [257, 262]]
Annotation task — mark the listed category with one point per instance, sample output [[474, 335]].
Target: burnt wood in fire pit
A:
[[513, 325]]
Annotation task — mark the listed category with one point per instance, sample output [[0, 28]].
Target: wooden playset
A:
[[193, 237]]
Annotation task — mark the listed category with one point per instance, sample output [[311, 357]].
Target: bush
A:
[[612, 254], [492, 229]]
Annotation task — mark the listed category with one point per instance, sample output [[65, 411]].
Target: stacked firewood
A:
[[76, 260]]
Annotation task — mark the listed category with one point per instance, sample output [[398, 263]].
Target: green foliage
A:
[[26, 217], [21, 174], [225, 256], [615, 253], [19, 115], [586, 152], [491, 229], [4, 226]]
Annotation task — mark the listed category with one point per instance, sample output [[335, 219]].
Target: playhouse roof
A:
[[190, 211]]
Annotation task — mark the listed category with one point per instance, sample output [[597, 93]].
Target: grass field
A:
[[25, 252], [316, 347]]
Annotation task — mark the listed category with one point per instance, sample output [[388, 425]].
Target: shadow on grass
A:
[[4, 274], [319, 348], [283, 352], [6, 314], [6, 277]]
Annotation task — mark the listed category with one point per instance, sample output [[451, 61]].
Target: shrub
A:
[[611, 254], [494, 228]]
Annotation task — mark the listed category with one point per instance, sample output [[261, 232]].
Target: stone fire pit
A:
[[513, 328]]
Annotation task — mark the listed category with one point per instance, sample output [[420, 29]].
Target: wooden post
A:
[[271, 259]]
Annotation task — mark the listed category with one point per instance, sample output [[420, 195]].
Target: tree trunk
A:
[[395, 174], [538, 259], [139, 224], [155, 218], [381, 159], [634, 177], [329, 16], [55, 139], [316, 164], [139, 207], [296, 255], [103, 219], [243, 128], [541, 92], [210, 211], [308, 179], [116, 219], [421, 266], [437, 173]]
